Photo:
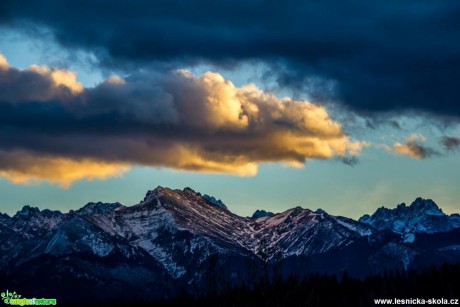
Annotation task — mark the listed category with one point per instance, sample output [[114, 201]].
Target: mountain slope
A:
[[303, 232], [179, 240], [422, 216]]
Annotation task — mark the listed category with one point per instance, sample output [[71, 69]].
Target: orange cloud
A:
[[3, 62], [24, 168], [414, 147], [60, 77], [65, 132], [37, 83]]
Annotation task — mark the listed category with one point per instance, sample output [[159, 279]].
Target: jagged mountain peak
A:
[[27, 210], [261, 213], [297, 213], [160, 191], [215, 201], [320, 211], [417, 207], [151, 194], [30, 222], [422, 216], [92, 208], [184, 199], [190, 190], [426, 205]]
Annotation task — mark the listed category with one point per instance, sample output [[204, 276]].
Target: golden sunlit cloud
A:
[[176, 120], [414, 147], [60, 77], [3, 62], [37, 83], [117, 80], [24, 168]]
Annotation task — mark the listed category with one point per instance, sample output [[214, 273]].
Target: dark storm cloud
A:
[[53, 128], [382, 55], [450, 143], [351, 161]]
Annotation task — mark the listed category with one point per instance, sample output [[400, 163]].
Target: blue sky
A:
[[401, 152]]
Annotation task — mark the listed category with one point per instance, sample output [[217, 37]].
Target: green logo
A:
[[12, 298]]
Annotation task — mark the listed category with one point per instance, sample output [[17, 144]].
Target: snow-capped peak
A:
[[422, 216]]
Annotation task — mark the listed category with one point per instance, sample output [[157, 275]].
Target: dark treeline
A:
[[328, 290]]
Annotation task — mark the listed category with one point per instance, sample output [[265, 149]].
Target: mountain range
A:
[[180, 241]]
